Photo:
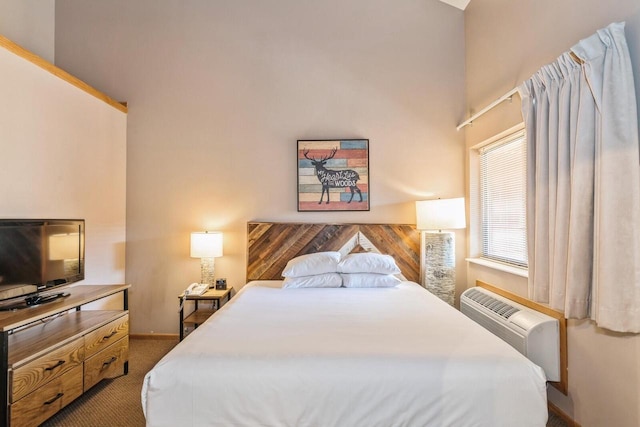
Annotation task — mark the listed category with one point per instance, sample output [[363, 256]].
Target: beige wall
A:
[[218, 94], [506, 42], [64, 159], [31, 24]]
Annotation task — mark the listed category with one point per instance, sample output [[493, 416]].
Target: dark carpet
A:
[[116, 402]]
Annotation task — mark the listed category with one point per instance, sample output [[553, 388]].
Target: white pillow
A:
[[368, 263], [310, 264], [327, 280], [369, 280]]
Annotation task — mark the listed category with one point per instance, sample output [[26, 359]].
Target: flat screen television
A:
[[36, 256]]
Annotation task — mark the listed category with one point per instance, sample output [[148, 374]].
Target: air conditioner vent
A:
[[502, 309], [534, 334]]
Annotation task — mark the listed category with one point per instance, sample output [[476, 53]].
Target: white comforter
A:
[[342, 357]]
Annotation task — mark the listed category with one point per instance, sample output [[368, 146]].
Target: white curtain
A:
[[583, 183]]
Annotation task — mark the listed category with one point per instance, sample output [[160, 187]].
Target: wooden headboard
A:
[[270, 245]]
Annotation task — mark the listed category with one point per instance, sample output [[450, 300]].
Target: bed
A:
[[358, 356]]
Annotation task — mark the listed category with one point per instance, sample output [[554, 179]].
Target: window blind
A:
[[503, 189]]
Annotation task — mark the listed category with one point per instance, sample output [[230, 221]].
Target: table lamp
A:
[[437, 247], [206, 245]]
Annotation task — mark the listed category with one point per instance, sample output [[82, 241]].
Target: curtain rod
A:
[[503, 98]]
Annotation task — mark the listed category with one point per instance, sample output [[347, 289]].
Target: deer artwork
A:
[[334, 178]]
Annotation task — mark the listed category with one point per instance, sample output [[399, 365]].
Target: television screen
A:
[[36, 255], [64, 249], [20, 254]]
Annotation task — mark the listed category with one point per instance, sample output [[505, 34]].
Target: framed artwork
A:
[[333, 175]]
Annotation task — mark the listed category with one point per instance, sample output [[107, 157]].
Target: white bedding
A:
[[342, 357]]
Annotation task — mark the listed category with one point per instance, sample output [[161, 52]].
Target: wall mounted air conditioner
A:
[[532, 333]]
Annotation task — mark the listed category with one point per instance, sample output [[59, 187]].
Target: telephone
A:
[[196, 289]]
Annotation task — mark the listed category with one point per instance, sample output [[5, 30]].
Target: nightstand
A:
[[199, 315]]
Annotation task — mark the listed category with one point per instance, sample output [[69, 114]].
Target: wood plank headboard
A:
[[270, 245]]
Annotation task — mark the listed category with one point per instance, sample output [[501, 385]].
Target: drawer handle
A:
[[109, 362], [58, 396], [51, 368], [106, 337]]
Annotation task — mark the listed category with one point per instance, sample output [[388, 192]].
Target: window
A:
[[502, 187]]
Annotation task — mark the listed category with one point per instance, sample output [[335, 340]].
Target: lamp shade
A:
[[440, 214], [206, 244]]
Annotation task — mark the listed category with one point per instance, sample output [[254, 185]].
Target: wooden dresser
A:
[[52, 353]]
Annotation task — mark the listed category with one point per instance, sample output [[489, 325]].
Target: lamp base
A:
[[206, 271], [438, 265]]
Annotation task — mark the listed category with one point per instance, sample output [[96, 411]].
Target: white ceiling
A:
[[460, 4]]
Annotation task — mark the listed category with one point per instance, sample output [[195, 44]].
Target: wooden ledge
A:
[[58, 72]]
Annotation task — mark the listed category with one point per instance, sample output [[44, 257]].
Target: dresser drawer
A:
[[108, 363], [36, 407], [106, 335], [28, 377]]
